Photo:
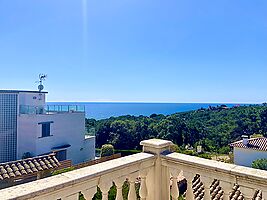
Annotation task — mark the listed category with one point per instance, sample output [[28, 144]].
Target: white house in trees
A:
[[248, 150], [28, 125]]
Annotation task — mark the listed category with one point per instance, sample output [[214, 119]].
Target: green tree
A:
[[260, 164]]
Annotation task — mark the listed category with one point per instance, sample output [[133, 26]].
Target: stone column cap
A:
[[156, 143]]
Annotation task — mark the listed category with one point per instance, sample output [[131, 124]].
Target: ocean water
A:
[[103, 110]]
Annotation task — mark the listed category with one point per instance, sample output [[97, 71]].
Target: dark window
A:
[[45, 128], [61, 155]]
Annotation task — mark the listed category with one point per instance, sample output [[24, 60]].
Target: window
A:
[[45, 129]]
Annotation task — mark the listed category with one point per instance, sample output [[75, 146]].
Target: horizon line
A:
[[155, 102]]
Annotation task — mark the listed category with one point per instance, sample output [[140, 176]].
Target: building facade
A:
[[248, 150], [29, 127]]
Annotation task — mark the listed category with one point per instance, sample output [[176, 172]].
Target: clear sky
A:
[[136, 50]]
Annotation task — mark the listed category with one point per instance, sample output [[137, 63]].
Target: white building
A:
[[27, 124], [248, 150]]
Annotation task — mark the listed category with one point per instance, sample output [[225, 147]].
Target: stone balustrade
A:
[[158, 172], [251, 183]]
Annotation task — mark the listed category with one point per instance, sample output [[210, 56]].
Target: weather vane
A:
[[42, 78]]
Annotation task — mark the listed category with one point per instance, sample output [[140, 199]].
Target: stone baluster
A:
[[226, 187], [174, 189], [119, 183], [89, 193], [189, 192], [105, 187], [143, 187], [247, 192], [264, 194], [207, 182], [132, 191]]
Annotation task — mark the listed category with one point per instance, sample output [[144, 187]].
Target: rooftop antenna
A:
[[42, 78]]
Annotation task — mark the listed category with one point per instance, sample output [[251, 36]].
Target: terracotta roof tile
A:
[[27, 166], [253, 143]]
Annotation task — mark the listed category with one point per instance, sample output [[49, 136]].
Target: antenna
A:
[[42, 78]]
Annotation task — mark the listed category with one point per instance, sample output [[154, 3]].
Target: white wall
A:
[[32, 99], [88, 152], [67, 128], [245, 157]]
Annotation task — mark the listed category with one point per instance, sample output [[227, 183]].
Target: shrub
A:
[[175, 148], [224, 150], [107, 150], [260, 164], [60, 171]]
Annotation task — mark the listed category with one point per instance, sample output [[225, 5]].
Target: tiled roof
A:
[[27, 166], [217, 192], [253, 143]]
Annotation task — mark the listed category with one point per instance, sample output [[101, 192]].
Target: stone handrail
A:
[[249, 180], [67, 186], [159, 172]]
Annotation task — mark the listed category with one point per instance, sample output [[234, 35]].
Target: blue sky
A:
[[136, 50]]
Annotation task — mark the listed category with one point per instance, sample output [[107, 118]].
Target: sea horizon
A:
[[104, 110]]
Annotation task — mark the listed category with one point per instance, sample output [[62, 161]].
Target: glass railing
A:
[[26, 109], [65, 108]]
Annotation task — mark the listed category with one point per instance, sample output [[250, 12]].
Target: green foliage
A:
[[60, 171], [260, 164], [213, 128], [224, 150], [175, 148], [107, 150], [113, 191]]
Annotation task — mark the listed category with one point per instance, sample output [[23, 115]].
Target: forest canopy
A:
[[213, 128]]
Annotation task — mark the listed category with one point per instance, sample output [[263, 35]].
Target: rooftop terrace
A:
[[50, 109]]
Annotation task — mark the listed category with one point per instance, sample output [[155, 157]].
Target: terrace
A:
[[158, 171]]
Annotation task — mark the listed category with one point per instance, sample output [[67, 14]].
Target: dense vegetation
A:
[[213, 128], [260, 164]]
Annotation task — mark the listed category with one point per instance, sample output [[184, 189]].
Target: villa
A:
[[247, 150], [29, 128]]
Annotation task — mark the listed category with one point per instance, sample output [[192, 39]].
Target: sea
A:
[[103, 110]]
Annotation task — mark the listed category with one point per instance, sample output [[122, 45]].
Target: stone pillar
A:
[[158, 179]]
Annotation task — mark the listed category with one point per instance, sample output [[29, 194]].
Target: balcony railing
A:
[[50, 109], [154, 168], [65, 108], [25, 109]]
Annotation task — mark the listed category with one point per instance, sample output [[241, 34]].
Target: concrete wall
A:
[[245, 157], [67, 128], [88, 151], [32, 99]]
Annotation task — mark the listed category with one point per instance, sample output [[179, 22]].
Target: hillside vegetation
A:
[[213, 128]]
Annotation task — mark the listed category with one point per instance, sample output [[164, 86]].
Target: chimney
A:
[[245, 139]]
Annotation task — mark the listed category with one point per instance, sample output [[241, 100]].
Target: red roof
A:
[[253, 143]]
